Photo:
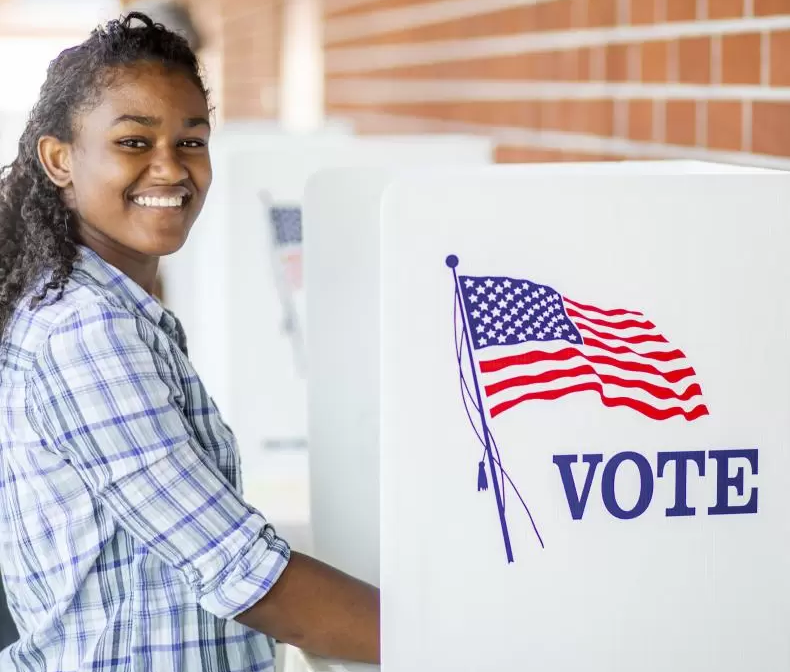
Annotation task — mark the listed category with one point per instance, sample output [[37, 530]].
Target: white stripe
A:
[[348, 91], [363, 59], [562, 141], [344, 29]]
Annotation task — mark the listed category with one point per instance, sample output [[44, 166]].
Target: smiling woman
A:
[[125, 541]]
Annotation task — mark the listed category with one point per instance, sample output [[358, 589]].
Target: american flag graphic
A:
[[533, 343], [287, 225]]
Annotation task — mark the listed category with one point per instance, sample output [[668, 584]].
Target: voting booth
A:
[[572, 387], [237, 287]]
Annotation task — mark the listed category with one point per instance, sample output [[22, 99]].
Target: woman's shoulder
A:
[[83, 305]]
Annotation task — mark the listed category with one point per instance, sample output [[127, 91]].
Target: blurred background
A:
[[548, 80]]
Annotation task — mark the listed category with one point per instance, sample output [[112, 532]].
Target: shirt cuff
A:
[[250, 577]]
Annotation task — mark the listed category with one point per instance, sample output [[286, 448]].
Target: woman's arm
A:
[[321, 610]]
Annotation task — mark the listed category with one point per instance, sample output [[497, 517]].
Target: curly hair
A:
[[38, 237]]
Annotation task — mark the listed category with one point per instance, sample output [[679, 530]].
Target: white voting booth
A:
[[597, 482], [236, 286]]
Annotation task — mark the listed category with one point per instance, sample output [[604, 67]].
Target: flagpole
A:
[[452, 263]]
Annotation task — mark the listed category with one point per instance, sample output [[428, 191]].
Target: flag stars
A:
[[491, 297], [520, 303], [558, 333], [519, 322], [476, 314], [514, 311], [480, 328], [486, 319], [522, 337], [525, 286], [572, 337], [507, 318], [489, 282], [542, 291], [501, 339], [507, 284], [496, 312], [483, 341], [529, 330], [535, 294], [484, 306], [502, 304], [498, 325], [469, 283], [517, 291], [491, 333], [473, 299], [498, 289], [509, 296], [480, 289]]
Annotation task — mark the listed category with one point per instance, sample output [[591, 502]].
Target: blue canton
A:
[[507, 311]]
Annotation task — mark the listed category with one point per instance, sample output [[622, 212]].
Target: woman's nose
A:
[[167, 166]]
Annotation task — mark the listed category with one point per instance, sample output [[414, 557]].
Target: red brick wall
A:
[[570, 79], [242, 55], [251, 46]]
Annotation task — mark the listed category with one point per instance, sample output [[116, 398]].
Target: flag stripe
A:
[[621, 324], [640, 406], [658, 391], [601, 311], [646, 338], [492, 365], [661, 356]]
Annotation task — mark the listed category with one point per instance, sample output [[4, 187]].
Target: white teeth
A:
[[154, 202]]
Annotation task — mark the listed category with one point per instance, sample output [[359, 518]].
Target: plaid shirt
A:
[[125, 544]]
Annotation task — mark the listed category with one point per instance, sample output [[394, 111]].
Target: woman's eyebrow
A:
[[191, 122]]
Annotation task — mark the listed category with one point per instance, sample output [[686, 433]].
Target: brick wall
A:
[[251, 48], [570, 79], [241, 54]]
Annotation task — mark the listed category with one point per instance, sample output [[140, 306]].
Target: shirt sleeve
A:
[[109, 404]]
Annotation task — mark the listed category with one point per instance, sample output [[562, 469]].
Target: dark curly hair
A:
[[37, 230]]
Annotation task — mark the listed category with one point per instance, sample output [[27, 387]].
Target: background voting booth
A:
[[237, 285], [581, 425]]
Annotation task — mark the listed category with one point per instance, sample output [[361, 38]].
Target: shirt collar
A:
[[126, 290]]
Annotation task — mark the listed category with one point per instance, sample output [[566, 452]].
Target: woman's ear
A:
[[55, 157]]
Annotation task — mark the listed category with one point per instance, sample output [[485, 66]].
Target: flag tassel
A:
[[482, 481]]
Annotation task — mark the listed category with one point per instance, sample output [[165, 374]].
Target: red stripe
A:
[[667, 356], [639, 406], [565, 354], [623, 324], [647, 338], [610, 313], [658, 391]]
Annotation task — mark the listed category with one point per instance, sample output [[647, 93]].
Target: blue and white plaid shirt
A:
[[125, 544]]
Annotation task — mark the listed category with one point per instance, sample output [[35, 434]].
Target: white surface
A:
[[221, 285], [299, 661], [704, 256], [342, 273]]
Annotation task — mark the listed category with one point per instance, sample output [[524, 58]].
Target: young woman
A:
[[125, 543]]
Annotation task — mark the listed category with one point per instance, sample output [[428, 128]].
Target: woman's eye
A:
[[132, 143], [193, 144]]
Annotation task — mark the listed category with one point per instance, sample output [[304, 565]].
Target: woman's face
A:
[[138, 170]]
